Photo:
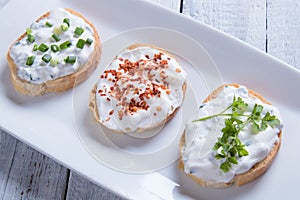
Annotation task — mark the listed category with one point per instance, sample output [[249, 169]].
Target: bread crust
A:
[[93, 104], [62, 83], [240, 179]]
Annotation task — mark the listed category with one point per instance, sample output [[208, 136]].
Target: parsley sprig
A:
[[229, 147]]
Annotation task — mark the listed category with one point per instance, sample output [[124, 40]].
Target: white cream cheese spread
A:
[[198, 155], [61, 29], [139, 89]]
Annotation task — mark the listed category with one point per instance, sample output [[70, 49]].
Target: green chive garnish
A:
[[57, 30], [67, 21], [65, 45], [35, 47], [43, 47], [46, 58], [53, 62], [78, 31], [30, 38], [64, 27], [28, 31], [80, 43], [48, 24], [70, 59], [54, 48], [55, 37], [89, 41], [30, 60]]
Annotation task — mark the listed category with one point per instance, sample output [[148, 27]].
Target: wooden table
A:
[[270, 25]]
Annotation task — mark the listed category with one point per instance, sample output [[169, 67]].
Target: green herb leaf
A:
[[64, 27], [43, 47], [78, 31], [48, 24], [80, 44], [229, 146], [46, 58], [89, 41], [271, 120], [239, 105], [67, 21], [225, 166], [30, 38], [30, 60], [70, 59], [233, 160], [65, 45], [219, 156]]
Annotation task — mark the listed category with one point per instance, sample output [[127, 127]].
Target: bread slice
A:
[[240, 179], [93, 104], [62, 83]]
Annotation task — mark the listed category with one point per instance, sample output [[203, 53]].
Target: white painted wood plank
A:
[[283, 30], [243, 19], [7, 151], [173, 4], [34, 176], [80, 188]]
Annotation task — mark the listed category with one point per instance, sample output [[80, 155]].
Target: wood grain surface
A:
[[270, 25]]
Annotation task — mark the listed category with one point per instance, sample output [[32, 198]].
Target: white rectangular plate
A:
[[46, 123]]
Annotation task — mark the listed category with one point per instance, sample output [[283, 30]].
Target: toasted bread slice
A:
[[62, 83], [94, 108], [239, 179]]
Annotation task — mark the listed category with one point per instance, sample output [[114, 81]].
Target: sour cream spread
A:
[[42, 31], [200, 137], [139, 89]]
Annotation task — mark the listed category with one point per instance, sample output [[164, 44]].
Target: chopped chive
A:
[[30, 60], [30, 38], [53, 62], [43, 47], [70, 59], [65, 45], [67, 21], [64, 27], [35, 47], [28, 31], [48, 24], [46, 58], [54, 48], [89, 41], [78, 31], [80, 43], [57, 30], [55, 37]]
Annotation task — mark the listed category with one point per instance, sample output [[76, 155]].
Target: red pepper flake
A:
[[102, 76], [158, 108], [100, 91], [102, 95], [154, 114], [147, 56], [121, 59], [121, 114], [178, 70], [168, 58], [107, 119], [111, 112], [168, 92], [106, 73], [163, 62], [108, 99], [157, 56]]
